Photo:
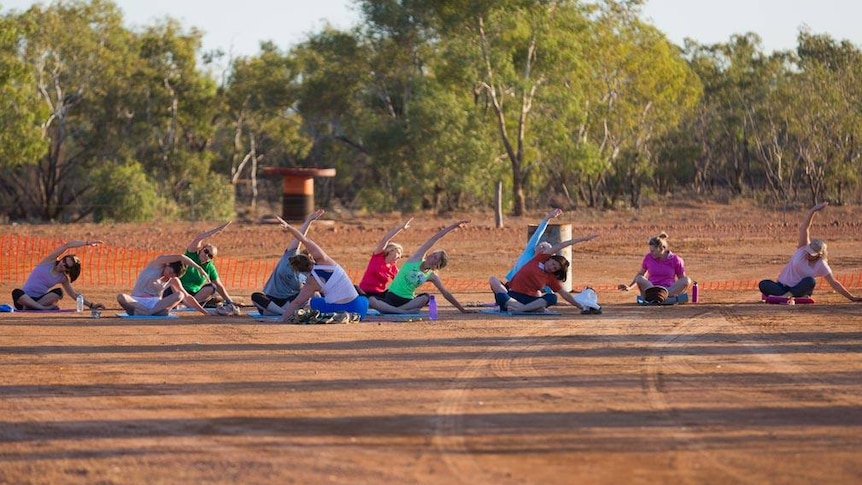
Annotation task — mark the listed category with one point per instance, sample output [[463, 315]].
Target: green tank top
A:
[[408, 278]]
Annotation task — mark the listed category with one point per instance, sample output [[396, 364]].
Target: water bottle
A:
[[432, 307], [694, 293], [79, 303]]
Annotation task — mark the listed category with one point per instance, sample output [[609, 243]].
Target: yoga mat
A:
[[145, 317], [545, 313]]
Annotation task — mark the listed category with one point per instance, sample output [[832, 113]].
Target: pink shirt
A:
[[799, 267], [378, 274], [663, 272]]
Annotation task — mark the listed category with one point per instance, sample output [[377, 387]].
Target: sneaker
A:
[[260, 301], [591, 311], [682, 298]]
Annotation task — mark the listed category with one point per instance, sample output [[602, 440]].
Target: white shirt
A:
[[799, 267]]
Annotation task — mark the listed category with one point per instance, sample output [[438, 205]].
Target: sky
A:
[[238, 27]]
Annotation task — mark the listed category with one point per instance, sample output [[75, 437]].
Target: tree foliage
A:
[[423, 105]]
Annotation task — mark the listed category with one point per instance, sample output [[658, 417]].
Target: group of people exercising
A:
[[306, 276]]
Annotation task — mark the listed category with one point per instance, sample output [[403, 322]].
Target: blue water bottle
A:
[[432, 307]]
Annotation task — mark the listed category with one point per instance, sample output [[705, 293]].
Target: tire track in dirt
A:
[[449, 437], [695, 454], [778, 363]]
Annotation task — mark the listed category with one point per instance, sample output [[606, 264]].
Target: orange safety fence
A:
[[117, 267]]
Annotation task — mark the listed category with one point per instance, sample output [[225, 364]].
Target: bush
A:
[[210, 199], [125, 193]]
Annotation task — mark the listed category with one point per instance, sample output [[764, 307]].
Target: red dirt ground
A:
[[729, 390]]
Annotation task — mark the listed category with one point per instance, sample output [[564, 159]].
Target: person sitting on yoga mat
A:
[[534, 245], [202, 280], [806, 263], [419, 268], [57, 268], [524, 291], [284, 283], [324, 276], [662, 277], [162, 273], [381, 268]]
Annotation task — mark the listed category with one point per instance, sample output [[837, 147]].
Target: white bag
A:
[[588, 298]]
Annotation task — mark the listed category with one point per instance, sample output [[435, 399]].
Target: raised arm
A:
[[316, 251], [53, 255], [197, 242], [540, 230], [805, 227], [294, 243], [381, 245], [555, 249], [419, 255], [530, 249]]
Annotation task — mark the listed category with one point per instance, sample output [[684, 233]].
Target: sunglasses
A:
[[208, 253]]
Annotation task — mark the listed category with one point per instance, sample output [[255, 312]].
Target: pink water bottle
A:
[[694, 293], [432, 307]]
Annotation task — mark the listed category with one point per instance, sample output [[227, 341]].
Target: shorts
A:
[[148, 301], [397, 301], [503, 298], [380, 295]]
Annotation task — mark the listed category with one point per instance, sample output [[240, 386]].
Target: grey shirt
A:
[[284, 282]]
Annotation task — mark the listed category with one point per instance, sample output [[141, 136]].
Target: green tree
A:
[[263, 126], [173, 107], [522, 52], [825, 122], [638, 89], [125, 193], [73, 48], [20, 132], [21, 141]]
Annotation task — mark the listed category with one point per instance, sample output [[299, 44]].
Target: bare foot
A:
[[514, 306]]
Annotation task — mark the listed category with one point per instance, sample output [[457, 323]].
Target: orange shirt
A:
[[532, 277]]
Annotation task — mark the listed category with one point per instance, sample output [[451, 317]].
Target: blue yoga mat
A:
[[374, 313], [546, 313], [145, 317], [258, 315]]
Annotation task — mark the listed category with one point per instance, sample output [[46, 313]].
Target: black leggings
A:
[[18, 293]]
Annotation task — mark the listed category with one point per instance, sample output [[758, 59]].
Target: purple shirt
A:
[[41, 280], [663, 272]]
